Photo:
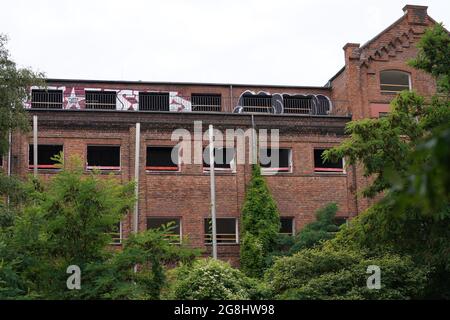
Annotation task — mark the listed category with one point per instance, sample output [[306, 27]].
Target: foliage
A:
[[317, 231], [260, 225], [14, 90], [211, 279], [67, 221], [330, 273]]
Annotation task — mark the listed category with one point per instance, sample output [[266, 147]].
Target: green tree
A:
[[406, 155], [15, 86], [260, 226]]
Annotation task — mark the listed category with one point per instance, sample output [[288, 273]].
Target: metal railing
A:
[[206, 102], [46, 99], [154, 101], [222, 238], [101, 100]]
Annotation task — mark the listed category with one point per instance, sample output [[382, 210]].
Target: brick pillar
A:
[[416, 14]]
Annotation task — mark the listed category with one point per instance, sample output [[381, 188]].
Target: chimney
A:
[[416, 14], [351, 51]]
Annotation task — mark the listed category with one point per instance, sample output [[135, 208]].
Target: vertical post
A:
[[35, 146], [213, 190], [254, 143], [136, 178]]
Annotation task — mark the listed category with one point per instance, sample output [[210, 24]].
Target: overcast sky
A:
[[233, 41]]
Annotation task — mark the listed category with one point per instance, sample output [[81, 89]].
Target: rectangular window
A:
[[46, 99], [287, 225], [224, 159], [160, 159], [275, 160], [116, 234], [297, 105], [339, 221], [226, 230], [394, 81], [45, 155], [103, 157], [101, 100], [206, 102], [326, 166], [254, 103], [172, 227], [154, 101]]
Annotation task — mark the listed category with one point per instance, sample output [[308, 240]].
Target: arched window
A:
[[394, 81]]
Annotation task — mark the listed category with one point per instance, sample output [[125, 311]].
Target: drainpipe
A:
[[136, 178], [9, 159], [213, 190], [231, 98], [35, 146]]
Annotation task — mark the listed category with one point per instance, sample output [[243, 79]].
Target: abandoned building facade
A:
[[96, 120]]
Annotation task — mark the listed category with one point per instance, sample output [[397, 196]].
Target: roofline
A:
[[382, 32], [50, 80], [335, 76]]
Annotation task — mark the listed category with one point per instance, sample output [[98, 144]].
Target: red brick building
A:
[[96, 120]]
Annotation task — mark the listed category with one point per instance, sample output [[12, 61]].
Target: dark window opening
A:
[[102, 100], [103, 157], [298, 105], [1, 160], [226, 230], [46, 99], [287, 226], [393, 81], [160, 159], [223, 158], [339, 221], [170, 226], [45, 155], [273, 159], [321, 165], [154, 101], [206, 102], [254, 103]]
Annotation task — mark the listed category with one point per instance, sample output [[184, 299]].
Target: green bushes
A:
[[216, 280], [327, 273], [260, 224]]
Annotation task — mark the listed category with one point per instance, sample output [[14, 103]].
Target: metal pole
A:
[[35, 146], [9, 159], [213, 190], [136, 178], [254, 143]]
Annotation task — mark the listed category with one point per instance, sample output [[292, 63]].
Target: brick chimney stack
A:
[[350, 51], [416, 14]]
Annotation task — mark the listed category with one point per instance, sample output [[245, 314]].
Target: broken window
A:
[[320, 165], [287, 225], [45, 155], [154, 101], [226, 230], [257, 103], [223, 159], [275, 160], [46, 99], [170, 226], [206, 102], [116, 234], [101, 100], [103, 157], [160, 159], [394, 81]]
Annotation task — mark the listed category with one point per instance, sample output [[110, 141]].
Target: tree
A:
[[260, 224], [406, 154], [15, 86], [68, 221]]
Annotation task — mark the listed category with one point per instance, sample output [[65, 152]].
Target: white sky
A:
[[247, 41]]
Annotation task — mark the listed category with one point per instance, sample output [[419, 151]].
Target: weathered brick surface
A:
[[185, 194]]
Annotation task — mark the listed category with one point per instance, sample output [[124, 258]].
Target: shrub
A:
[[215, 280], [326, 273]]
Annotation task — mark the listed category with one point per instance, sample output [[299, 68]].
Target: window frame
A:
[[166, 170], [205, 235], [165, 94], [394, 85], [231, 169], [46, 167], [59, 91], [88, 106], [207, 95], [327, 170], [104, 168], [272, 170], [292, 233], [170, 218], [120, 238]]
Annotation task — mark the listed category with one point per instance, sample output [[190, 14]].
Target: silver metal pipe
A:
[[213, 190], [35, 146], [136, 178]]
